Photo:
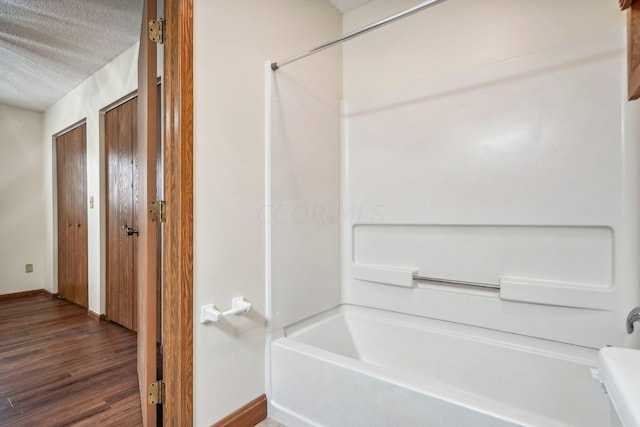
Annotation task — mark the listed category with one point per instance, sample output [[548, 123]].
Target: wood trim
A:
[[49, 294], [625, 4], [178, 230], [26, 294], [634, 84], [633, 51], [247, 416], [95, 316]]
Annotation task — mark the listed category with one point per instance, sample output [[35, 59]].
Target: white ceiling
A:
[[47, 47]]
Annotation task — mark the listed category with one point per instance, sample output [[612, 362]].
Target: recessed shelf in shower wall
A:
[[551, 265]]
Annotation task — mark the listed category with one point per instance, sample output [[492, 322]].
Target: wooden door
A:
[[71, 175], [147, 268], [178, 231], [121, 135]]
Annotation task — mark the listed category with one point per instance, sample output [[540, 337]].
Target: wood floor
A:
[[59, 367]]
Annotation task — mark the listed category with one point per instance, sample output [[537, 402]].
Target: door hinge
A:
[[156, 31], [158, 211], [155, 395]]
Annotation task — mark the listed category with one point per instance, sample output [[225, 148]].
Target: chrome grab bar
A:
[[456, 282]]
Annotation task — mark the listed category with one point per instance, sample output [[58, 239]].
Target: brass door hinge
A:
[[156, 31], [158, 211], [155, 395]]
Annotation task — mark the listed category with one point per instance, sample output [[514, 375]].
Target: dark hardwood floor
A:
[[58, 367]]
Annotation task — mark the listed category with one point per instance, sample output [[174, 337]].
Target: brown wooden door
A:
[[147, 268], [121, 135], [71, 175]]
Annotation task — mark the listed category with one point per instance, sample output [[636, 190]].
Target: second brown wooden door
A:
[[120, 153], [71, 175]]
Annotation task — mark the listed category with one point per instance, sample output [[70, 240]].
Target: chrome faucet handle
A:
[[634, 315]]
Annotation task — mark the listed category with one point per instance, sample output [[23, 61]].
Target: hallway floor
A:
[[58, 367]]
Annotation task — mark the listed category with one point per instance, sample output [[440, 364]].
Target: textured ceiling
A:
[[47, 47]]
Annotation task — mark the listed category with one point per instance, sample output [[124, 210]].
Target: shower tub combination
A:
[[356, 366]]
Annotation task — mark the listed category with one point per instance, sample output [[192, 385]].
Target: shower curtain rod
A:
[[356, 33]]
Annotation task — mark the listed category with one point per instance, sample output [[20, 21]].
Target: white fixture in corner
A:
[[620, 373], [238, 305]]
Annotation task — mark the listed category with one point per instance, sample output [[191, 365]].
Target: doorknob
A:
[[131, 230]]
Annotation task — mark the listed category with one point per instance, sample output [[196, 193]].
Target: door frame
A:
[[178, 229]]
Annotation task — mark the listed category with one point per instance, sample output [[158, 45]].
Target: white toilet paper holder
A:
[[239, 305]]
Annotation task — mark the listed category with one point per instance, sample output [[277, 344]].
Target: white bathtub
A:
[[356, 366]]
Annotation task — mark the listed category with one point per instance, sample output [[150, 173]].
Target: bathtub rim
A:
[[288, 339], [534, 345], [434, 389]]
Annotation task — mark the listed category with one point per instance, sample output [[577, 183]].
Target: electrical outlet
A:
[[28, 268]]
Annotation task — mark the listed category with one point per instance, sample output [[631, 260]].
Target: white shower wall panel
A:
[[532, 140], [579, 255], [303, 198], [519, 169]]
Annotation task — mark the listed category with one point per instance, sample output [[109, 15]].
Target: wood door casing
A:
[[71, 176], [178, 230], [121, 128]]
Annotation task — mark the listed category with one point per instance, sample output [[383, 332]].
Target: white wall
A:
[[22, 205], [112, 82], [491, 142], [231, 42]]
